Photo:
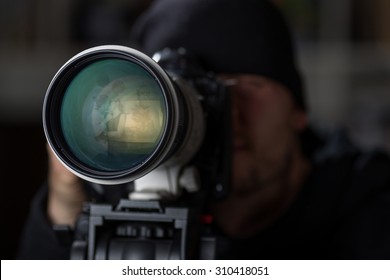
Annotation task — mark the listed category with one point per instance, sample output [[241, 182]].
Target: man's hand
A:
[[66, 194]]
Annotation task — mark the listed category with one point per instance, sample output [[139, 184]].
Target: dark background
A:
[[343, 50]]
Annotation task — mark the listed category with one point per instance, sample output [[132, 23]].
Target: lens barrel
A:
[[111, 115]]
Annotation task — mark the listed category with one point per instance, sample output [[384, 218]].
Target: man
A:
[[294, 195]]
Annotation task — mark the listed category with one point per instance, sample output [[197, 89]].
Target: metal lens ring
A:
[[111, 114]]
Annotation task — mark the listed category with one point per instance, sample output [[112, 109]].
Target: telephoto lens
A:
[[111, 115]]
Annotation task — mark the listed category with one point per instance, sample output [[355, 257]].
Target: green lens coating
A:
[[113, 115]]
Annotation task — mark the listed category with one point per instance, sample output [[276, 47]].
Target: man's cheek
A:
[[241, 165]]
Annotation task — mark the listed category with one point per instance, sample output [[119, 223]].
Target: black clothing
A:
[[343, 212], [38, 240]]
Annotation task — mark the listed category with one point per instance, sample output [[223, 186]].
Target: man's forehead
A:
[[250, 79]]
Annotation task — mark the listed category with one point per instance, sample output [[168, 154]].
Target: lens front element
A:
[[112, 115]]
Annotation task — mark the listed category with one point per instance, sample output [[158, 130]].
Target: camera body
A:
[[114, 116]]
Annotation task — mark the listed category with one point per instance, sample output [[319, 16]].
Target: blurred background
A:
[[343, 50]]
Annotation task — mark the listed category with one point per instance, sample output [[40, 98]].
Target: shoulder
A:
[[347, 181], [369, 169], [356, 173], [350, 194]]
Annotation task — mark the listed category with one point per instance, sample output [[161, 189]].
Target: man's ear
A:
[[300, 119]]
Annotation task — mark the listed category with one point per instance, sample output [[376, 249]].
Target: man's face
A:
[[266, 123]]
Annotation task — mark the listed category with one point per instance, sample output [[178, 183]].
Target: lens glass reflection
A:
[[113, 115]]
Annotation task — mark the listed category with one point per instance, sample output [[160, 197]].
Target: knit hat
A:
[[227, 36]]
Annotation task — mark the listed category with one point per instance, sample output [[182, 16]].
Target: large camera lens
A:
[[111, 115]]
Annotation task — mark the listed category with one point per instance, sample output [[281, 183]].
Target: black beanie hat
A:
[[227, 36]]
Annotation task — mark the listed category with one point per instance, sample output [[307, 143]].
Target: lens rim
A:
[[52, 108]]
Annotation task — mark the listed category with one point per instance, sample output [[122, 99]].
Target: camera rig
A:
[[114, 116]]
